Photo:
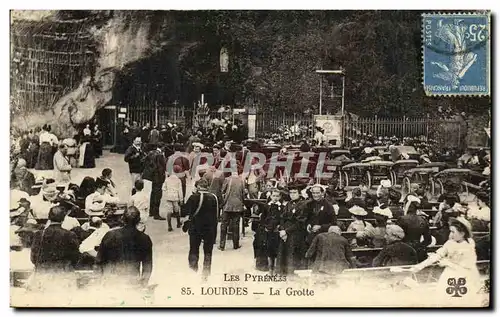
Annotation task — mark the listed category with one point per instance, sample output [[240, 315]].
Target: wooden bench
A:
[[373, 252], [352, 234], [393, 273]]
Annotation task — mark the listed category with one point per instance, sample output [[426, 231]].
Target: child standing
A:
[[140, 200]]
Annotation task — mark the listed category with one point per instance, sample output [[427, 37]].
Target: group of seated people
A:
[[95, 203], [289, 224]]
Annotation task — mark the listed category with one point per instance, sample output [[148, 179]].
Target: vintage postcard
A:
[[250, 158]]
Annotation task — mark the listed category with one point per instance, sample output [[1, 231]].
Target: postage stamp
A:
[[456, 54]]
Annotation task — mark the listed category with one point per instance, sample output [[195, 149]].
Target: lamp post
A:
[[322, 72]]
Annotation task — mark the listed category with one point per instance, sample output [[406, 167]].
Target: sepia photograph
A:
[[250, 158]]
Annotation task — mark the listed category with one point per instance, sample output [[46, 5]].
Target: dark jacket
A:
[[55, 249], [271, 216], [145, 134], [396, 253], [155, 166], [331, 253], [320, 213], [293, 218], [206, 219], [135, 159], [415, 227], [123, 250]]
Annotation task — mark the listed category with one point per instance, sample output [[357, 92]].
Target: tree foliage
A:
[[273, 56]]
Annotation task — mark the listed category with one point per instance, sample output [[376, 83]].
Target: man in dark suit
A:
[[201, 207], [154, 171], [320, 214], [55, 248], [123, 250], [134, 156]]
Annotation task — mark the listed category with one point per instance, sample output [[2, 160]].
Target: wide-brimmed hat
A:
[[395, 231], [49, 192], [358, 211], [198, 144], [383, 210], [321, 186], [413, 198], [466, 224], [385, 183]]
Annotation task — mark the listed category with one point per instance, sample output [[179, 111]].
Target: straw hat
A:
[[198, 144], [322, 187], [358, 211], [466, 224], [412, 198], [382, 210], [385, 183], [50, 192]]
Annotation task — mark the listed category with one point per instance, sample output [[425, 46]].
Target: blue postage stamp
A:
[[456, 54]]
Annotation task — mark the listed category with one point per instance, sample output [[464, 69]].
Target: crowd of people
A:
[[171, 133], [296, 225]]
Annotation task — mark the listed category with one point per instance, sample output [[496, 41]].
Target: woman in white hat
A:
[[41, 203], [458, 256], [376, 235], [359, 223]]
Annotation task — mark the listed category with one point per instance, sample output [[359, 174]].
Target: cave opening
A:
[[159, 89]]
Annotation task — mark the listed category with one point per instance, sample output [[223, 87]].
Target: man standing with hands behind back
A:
[[134, 156]]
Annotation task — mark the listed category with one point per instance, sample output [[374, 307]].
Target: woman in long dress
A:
[[45, 152], [97, 141], [458, 256], [87, 156]]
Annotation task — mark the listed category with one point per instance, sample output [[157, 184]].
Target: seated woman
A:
[[107, 175], [359, 224], [46, 199], [86, 188], [375, 236], [396, 252], [99, 198]]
